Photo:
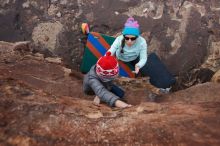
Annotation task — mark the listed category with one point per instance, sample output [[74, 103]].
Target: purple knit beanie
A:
[[131, 27]]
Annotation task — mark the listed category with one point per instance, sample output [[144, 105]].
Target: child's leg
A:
[[117, 91]]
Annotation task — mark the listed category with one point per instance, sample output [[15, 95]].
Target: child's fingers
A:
[[129, 105]]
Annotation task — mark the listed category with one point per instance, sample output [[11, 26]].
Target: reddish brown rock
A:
[[40, 104], [216, 77]]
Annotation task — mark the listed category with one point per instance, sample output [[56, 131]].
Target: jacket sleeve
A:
[[104, 94], [116, 45], [143, 55]]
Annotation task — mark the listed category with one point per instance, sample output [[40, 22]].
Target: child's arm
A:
[[118, 103], [103, 93]]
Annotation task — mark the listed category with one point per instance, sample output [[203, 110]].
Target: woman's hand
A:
[[137, 69]]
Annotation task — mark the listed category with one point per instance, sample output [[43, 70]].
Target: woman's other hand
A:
[[137, 69]]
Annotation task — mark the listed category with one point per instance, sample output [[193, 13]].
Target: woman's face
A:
[[130, 40]]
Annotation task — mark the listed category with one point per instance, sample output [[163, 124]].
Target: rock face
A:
[[41, 103], [46, 35], [185, 34], [41, 100], [216, 77]]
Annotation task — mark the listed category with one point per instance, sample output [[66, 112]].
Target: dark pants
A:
[[117, 91], [143, 70], [157, 71]]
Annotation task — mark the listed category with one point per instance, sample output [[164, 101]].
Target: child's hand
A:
[[122, 104], [129, 105], [96, 100]]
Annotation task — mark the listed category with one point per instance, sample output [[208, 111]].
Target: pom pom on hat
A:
[[108, 54], [131, 27], [107, 66]]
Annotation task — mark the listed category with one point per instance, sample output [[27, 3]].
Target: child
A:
[[99, 79]]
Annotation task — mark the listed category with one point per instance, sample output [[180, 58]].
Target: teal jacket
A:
[[139, 49]]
